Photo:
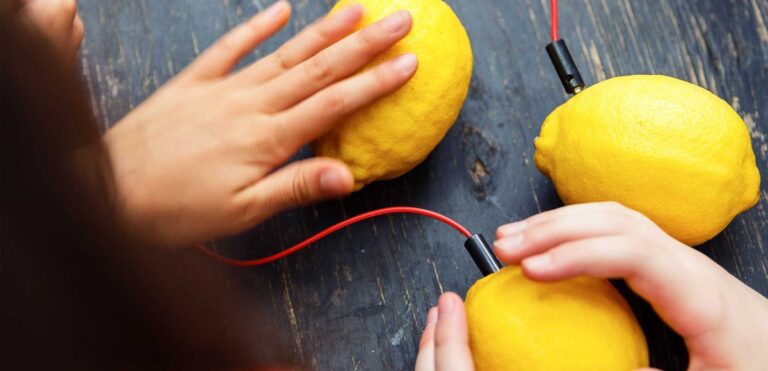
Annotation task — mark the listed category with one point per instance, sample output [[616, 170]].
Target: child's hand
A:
[[723, 321], [58, 21], [201, 158], [444, 346]]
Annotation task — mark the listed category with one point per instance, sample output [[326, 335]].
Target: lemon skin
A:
[[664, 147], [577, 324], [395, 134]]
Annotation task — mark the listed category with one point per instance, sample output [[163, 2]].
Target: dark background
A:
[[358, 299]]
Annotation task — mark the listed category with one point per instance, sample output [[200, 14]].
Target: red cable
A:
[[555, 17], [326, 232]]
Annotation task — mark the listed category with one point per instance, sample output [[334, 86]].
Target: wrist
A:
[[123, 145]]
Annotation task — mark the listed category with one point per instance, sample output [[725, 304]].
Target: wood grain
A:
[[358, 299]]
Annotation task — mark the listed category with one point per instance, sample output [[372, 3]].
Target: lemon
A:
[[578, 324], [662, 146], [397, 133]]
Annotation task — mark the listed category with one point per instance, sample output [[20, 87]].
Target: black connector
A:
[[482, 254], [565, 67]]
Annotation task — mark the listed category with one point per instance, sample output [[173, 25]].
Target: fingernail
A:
[[406, 63], [276, 9], [445, 305], [432, 316], [509, 244], [331, 181], [538, 262], [396, 20], [510, 229]]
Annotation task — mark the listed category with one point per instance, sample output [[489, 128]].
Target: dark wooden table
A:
[[358, 299]]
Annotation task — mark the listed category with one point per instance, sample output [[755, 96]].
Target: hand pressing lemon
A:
[[395, 134], [557, 318], [667, 148], [579, 324]]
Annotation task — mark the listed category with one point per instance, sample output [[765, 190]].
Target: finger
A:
[[451, 337], [315, 116], [297, 184], [225, 53], [551, 232], [513, 228], [678, 284], [425, 361], [309, 42], [339, 61]]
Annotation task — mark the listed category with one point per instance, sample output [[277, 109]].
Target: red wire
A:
[[555, 16], [326, 232]]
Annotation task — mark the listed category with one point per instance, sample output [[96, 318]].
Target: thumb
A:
[[451, 335], [297, 184]]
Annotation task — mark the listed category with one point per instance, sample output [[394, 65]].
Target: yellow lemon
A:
[[397, 133], [573, 325], [662, 146]]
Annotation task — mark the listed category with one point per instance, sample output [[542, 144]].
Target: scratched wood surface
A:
[[358, 299]]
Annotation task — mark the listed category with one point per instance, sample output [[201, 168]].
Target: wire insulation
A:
[[555, 20], [332, 229]]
